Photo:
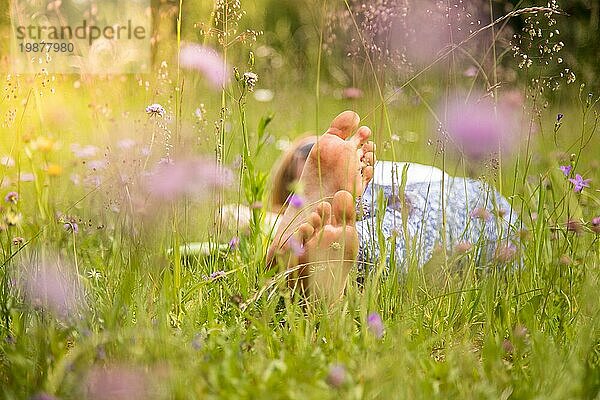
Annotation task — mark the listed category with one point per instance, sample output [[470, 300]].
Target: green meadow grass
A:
[[149, 322]]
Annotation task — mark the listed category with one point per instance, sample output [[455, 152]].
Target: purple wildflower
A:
[[206, 61], [559, 117], [579, 183], [566, 169], [12, 197], [296, 247], [596, 224], [234, 242], [216, 274], [336, 376], [352, 93], [71, 227], [479, 129], [296, 201], [375, 325], [171, 180], [155, 109]]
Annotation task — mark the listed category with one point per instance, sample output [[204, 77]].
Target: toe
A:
[[305, 231], [324, 212], [344, 124], [368, 147], [343, 208], [361, 136], [368, 158]]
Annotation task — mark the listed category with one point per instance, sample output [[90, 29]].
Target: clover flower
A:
[[579, 183], [155, 109]]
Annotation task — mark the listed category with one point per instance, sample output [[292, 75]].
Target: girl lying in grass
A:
[[400, 210]]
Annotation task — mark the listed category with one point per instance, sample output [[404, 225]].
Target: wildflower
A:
[[478, 129], [7, 161], [250, 80], [579, 183], [13, 218], [505, 253], [215, 275], [263, 95], [83, 151], [559, 117], [206, 61], [352, 93], [596, 224], [12, 197], [43, 396], [566, 169], [336, 376], [155, 109], [296, 247], [574, 226], [481, 213], [71, 227], [117, 382], [375, 325], [197, 342], [296, 201], [507, 346], [463, 247], [26, 177], [17, 241], [94, 274], [51, 287], [171, 180], [234, 242], [125, 144], [54, 170], [44, 144]]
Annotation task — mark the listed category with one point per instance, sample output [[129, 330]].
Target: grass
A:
[[143, 321]]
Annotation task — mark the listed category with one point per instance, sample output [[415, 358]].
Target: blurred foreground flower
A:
[[478, 128], [52, 286], [116, 383], [336, 376], [171, 180], [206, 61], [375, 325]]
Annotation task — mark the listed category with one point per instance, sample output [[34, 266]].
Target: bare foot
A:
[[338, 161], [329, 248]]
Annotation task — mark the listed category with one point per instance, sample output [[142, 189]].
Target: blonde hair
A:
[[284, 174]]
